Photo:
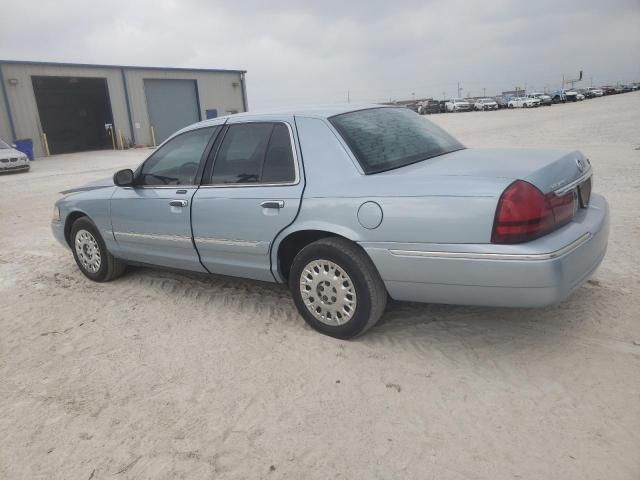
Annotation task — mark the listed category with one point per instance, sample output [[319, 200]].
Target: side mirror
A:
[[123, 178]]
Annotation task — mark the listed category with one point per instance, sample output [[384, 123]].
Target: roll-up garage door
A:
[[172, 104]]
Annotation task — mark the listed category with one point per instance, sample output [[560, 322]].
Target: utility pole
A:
[[459, 90], [348, 96], [484, 92]]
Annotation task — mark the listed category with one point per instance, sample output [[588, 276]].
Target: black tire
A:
[[370, 291], [110, 267]]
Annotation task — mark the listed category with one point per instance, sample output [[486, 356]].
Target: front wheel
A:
[[91, 254], [336, 288]]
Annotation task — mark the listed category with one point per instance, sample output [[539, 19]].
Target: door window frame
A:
[[215, 133], [207, 174]]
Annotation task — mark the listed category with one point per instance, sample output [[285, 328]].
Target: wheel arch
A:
[[69, 221], [292, 241]]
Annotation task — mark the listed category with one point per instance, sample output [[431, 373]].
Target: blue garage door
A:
[[172, 104]]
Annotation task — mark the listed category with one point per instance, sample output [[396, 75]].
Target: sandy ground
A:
[[164, 375]]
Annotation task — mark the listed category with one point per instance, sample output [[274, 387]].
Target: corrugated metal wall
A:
[[5, 128], [219, 90], [23, 102], [215, 90]]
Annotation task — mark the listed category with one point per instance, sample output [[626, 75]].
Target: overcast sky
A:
[[300, 52]]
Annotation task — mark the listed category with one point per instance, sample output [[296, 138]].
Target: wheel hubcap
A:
[[88, 251], [328, 292]]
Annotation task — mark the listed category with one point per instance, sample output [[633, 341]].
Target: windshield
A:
[[3, 145], [386, 138]]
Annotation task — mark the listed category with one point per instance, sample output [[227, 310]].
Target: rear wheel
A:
[[91, 254], [336, 288]]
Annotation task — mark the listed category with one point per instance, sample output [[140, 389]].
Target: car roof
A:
[[318, 111]]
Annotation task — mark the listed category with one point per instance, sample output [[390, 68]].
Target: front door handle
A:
[[178, 203], [273, 204]]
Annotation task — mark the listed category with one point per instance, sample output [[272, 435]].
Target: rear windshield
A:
[[386, 138]]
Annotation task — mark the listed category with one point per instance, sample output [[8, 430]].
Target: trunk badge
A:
[[580, 164]]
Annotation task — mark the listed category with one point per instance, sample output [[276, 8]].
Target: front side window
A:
[[255, 153], [177, 161], [386, 138]]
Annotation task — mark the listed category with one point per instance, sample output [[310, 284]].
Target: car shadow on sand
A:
[[414, 325]]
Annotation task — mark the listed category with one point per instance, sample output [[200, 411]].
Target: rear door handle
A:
[[272, 204], [178, 203]]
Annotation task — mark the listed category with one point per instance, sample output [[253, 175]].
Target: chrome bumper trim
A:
[[496, 256]]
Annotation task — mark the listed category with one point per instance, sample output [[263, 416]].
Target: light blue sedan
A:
[[347, 206]]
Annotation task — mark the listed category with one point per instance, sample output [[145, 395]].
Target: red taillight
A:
[[524, 213]]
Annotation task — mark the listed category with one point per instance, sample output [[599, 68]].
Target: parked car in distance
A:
[[428, 107], [485, 104], [12, 160], [522, 102], [608, 90], [580, 96], [543, 98], [502, 101], [347, 206], [458, 105], [571, 95]]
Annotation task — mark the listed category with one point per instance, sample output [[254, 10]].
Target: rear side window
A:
[[386, 138], [255, 153], [278, 162]]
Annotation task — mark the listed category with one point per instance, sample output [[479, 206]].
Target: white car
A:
[[596, 92], [522, 102], [579, 96], [485, 104], [12, 160], [457, 105], [543, 98]]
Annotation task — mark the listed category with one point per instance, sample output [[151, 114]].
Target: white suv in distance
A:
[[12, 160], [457, 105], [522, 102], [485, 104], [543, 98]]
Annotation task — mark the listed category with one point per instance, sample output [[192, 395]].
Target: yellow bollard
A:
[[120, 142], [113, 137], [46, 144], [153, 136]]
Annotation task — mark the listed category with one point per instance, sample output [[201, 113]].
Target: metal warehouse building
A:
[[69, 107]]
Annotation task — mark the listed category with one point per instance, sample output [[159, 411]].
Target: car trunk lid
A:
[[548, 170]]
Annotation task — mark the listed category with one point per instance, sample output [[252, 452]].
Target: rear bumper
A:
[[533, 274]]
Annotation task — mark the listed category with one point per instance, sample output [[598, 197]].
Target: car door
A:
[[251, 191], [151, 221]]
